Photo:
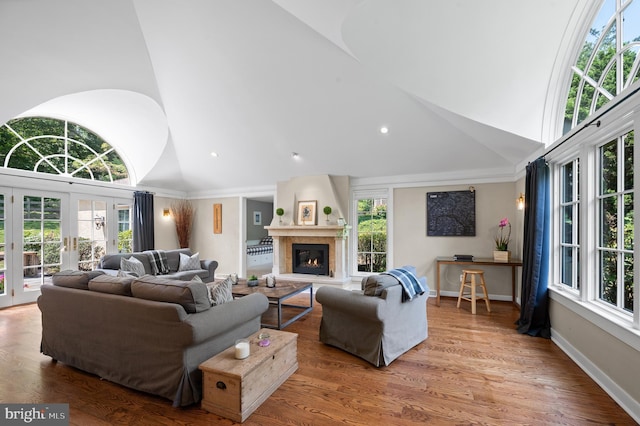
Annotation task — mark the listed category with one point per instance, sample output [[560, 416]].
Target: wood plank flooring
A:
[[471, 370]]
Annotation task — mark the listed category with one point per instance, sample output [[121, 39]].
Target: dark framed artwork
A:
[[451, 214]]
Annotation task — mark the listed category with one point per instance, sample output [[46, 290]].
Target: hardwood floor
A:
[[471, 370]]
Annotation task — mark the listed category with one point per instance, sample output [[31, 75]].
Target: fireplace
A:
[[310, 259]]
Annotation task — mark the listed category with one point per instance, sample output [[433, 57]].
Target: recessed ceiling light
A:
[[214, 154], [295, 155], [384, 130]]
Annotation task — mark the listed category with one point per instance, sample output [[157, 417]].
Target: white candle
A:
[[242, 349]]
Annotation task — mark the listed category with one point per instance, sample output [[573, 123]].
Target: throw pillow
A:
[[189, 263], [158, 261], [374, 285], [132, 265], [220, 291]]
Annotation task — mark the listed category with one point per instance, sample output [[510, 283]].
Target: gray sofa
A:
[[111, 327], [373, 324], [110, 264]]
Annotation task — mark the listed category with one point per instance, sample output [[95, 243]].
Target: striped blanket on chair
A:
[[411, 285]]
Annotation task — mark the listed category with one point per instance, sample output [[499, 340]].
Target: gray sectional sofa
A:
[[110, 264], [149, 333]]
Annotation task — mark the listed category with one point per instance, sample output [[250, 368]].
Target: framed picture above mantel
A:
[[307, 214]]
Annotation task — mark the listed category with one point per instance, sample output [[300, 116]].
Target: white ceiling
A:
[[463, 86]]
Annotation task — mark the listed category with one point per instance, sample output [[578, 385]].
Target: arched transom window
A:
[[59, 147], [608, 62]]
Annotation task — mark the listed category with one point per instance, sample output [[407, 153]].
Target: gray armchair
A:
[[377, 328]]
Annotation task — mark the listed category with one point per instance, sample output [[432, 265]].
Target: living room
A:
[[221, 104]]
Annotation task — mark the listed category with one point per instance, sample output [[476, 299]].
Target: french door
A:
[[42, 233], [33, 248], [101, 225]]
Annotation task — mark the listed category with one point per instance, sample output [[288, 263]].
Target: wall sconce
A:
[[166, 213], [99, 221], [520, 202]]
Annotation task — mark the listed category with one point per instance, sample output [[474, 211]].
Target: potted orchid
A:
[[501, 252]]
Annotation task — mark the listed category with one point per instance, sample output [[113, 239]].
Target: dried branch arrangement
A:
[[182, 213]]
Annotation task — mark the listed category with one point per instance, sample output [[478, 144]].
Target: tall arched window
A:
[[608, 62], [59, 147]]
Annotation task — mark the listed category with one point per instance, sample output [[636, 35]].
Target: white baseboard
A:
[[628, 404]]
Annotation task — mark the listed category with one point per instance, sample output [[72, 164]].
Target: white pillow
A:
[[132, 265], [220, 291], [189, 263]]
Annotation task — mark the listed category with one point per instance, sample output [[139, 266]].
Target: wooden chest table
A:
[[235, 388]]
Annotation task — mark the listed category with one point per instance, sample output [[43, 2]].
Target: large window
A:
[[569, 224], [371, 234], [615, 223], [59, 147], [607, 61]]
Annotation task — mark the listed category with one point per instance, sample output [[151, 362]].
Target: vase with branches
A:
[[182, 213]]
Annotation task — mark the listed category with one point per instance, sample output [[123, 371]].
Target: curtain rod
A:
[[95, 184], [595, 121]]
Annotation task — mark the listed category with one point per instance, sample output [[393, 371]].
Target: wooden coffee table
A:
[[277, 295]]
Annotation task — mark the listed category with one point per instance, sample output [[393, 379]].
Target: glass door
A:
[[102, 225], [5, 252], [38, 249]]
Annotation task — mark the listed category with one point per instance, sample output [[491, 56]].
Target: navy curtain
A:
[[143, 221], [534, 310]]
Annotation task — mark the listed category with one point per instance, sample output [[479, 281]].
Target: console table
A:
[[513, 263]]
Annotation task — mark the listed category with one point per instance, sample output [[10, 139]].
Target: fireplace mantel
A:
[[305, 231], [285, 236]]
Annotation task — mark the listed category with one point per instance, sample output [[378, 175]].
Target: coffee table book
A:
[[235, 388]]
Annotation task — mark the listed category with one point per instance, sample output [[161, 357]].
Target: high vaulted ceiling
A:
[[467, 89]]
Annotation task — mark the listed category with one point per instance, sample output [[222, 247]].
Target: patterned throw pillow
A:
[[189, 263], [132, 265], [158, 261], [220, 291]]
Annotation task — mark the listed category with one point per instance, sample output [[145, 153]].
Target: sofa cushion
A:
[[189, 263], [74, 279], [188, 275], [173, 258], [133, 265], [374, 285], [220, 291], [193, 296], [112, 285]]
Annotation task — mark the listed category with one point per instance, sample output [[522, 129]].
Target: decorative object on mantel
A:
[[341, 221], [182, 212], [501, 253], [280, 213], [271, 281], [327, 210], [307, 212], [252, 281]]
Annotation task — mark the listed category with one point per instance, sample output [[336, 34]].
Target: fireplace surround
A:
[[285, 236]]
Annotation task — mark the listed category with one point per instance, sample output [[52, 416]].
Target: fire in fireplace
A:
[[310, 259]]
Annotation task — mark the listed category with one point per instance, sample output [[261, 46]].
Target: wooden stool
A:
[[472, 297]]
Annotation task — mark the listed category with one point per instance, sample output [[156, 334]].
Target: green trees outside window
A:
[[615, 233], [372, 235]]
